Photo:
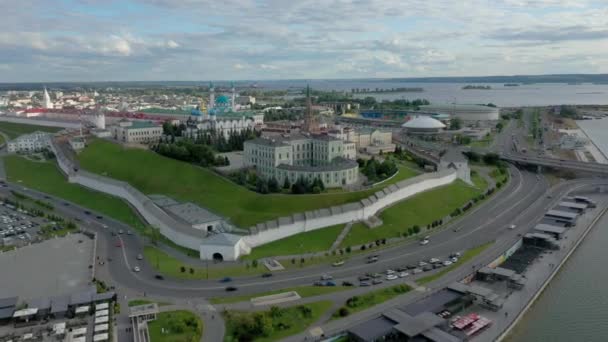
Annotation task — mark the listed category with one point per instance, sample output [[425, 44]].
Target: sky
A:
[[189, 40]]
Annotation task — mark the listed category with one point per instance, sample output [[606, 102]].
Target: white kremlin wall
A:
[[262, 233]]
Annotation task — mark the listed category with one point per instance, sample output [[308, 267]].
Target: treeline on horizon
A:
[[557, 78]]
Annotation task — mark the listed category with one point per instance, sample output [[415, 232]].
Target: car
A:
[[365, 283], [424, 242], [403, 274], [231, 289], [411, 267], [326, 277], [338, 263], [47, 196], [364, 278], [372, 260], [416, 271], [159, 277], [427, 268], [129, 232], [454, 259], [140, 257], [105, 226], [455, 255], [120, 231], [347, 283], [438, 265], [318, 283], [434, 260], [266, 275], [420, 264], [66, 203], [113, 233], [376, 281], [376, 275], [136, 269], [225, 280], [447, 263], [329, 283], [512, 226], [389, 272], [118, 244], [99, 217], [87, 212], [391, 277]]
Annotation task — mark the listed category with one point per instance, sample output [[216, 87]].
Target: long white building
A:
[[32, 142], [305, 156]]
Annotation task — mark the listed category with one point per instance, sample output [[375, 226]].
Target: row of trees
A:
[[188, 151], [376, 171], [251, 180]]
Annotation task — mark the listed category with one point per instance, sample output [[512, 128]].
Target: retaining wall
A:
[[266, 232], [311, 220]]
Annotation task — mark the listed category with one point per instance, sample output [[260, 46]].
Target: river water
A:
[[539, 94], [574, 307]]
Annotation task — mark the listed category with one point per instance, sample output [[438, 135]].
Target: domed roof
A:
[[424, 122], [223, 99]]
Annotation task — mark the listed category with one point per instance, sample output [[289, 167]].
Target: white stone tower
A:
[[46, 100], [233, 99]]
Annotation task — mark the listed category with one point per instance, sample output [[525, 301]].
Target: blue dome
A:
[[223, 99], [195, 112]]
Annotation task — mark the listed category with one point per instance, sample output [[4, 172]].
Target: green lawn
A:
[[314, 241], [466, 256], [155, 174], [365, 301], [171, 267], [176, 326], [274, 324], [303, 291], [478, 180], [46, 177], [14, 130], [420, 209]]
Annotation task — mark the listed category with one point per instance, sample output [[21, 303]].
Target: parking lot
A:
[[52, 267]]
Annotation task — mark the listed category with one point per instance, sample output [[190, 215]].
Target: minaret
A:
[[46, 100], [233, 98], [211, 97]]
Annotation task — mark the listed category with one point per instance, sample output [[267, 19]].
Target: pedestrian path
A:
[[341, 237]]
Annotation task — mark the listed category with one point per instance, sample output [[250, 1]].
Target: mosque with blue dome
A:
[[222, 115]]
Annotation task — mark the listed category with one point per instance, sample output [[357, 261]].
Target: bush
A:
[[182, 269], [343, 312]]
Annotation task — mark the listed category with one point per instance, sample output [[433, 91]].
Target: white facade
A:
[[46, 100], [77, 143], [32, 142], [465, 112], [224, 124], [303, 156], [136, 132]]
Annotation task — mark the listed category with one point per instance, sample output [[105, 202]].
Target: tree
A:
[[273, 185], [455, 124], [182, 269], [416, 229], [286, 184], [262, 186]]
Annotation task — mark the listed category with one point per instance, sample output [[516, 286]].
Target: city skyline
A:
[[90, 40]]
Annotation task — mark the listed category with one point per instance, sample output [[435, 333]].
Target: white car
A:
[[416, 271], [434, 260], [326, 277], [391, 277], [136, 269], [338, 263], [403, 274], [512, 226], [447, 263], [389, 272], [454, 259], [424, 242], [422, 264]]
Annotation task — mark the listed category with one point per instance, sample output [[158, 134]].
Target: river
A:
[[538, 94], [574, 307]]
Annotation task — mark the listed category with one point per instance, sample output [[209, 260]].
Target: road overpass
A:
[[572, 165]]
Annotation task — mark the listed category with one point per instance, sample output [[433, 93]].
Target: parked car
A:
[[447, 263], [391, 277], [403, 274], [365, 283], [347, 283], [389, 272], [416, 271], [434, 260], [318, 283], [329, 283], [411, 267], [427, 268], [364, 278], [454, 259], [376, 281]]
